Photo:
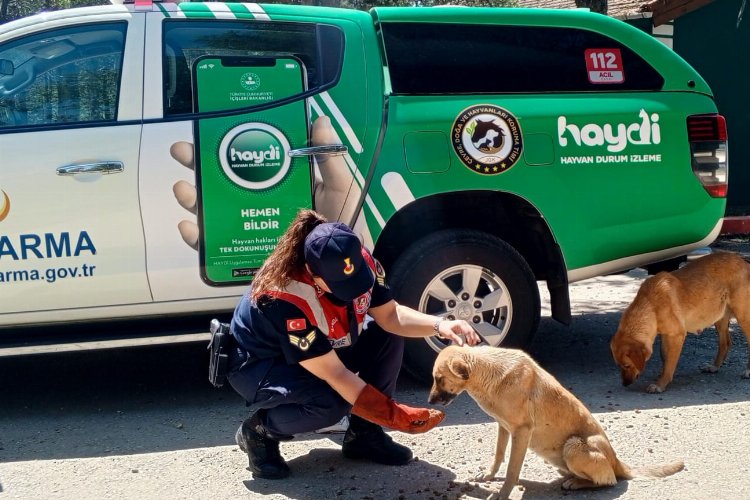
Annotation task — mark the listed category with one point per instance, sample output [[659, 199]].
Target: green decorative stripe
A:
[[240, 11], [197, 10], [204, 11]]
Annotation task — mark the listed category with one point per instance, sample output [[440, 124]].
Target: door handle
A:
[[104, 167], [328, 150]]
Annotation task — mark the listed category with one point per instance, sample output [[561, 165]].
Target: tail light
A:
[[708, 145]]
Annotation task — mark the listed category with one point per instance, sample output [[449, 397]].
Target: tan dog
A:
[[707, 291], [534, 411]]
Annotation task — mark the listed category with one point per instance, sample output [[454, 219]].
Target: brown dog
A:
[[535, 411], [707, 291]]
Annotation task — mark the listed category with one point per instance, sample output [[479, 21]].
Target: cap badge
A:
[[349, 269]]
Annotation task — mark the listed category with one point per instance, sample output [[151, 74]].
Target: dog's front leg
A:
[[518, 446], [502, 443], [671, 348]]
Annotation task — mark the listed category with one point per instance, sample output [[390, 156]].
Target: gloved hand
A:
[[378, 408]]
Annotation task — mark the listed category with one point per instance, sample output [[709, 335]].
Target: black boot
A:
[[262, 448], [364, 439]]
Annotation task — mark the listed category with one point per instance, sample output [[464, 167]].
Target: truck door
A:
[[190, 224], [70, 126]]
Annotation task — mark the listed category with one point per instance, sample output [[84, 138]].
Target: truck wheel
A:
[[471, 275]]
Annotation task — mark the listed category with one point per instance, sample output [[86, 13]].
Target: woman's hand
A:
[[407, 322], [458, 331]]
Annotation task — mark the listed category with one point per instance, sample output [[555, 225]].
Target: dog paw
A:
[[484, 477], [654, 389], [569, 484], [746, 374], [577, 483], [710, 369], [503, 494]]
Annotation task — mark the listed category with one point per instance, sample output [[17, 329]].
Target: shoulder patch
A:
[[295, 325], [303, 343], [379, 274], [362, 303], [379, 269]]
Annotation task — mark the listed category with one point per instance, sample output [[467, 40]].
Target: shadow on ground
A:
[[353, 479], [159, 397]]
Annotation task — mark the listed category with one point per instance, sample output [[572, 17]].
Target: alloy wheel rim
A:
[[472, 293]]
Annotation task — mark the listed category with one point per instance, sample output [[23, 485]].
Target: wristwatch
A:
[[436, 327]]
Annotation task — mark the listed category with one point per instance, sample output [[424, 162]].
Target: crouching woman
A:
[[319, 336]]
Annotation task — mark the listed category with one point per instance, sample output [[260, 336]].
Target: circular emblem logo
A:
[[254, 155], [487, 139], [250, 81], [4, 205]]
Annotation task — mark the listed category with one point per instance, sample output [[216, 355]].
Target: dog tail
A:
[[662, 470]]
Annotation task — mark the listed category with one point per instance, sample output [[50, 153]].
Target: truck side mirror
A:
[[6, 67]]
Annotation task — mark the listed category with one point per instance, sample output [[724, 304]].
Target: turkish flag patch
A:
[[295, 325]]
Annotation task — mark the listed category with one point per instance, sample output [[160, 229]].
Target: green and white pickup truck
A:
[[151, 154]]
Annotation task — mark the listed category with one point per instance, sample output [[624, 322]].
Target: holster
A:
[[219, 346]]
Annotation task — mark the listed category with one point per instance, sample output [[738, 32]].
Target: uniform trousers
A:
[[295, 401]]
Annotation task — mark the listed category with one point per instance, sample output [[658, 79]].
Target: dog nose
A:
[[441, 397]]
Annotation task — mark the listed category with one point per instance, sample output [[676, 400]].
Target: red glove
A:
[[378, 408]]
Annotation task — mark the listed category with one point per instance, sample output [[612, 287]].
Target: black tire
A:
[[666, 265], [443, 262]]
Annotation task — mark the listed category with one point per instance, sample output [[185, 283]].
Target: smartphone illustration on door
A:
[[249, 187]]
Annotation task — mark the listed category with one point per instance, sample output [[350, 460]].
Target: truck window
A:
[[320, 47], [62, 76], [431, 58]]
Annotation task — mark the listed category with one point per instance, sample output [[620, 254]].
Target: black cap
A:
[[334, 253]]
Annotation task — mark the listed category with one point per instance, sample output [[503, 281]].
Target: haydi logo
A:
[[616, 137], [257, 157], [254, 155], [4, 205]]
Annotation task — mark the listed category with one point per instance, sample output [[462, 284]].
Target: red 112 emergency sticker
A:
[[604, 66]]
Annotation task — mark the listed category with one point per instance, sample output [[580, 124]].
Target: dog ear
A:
[[459, 367], [637, 355]]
